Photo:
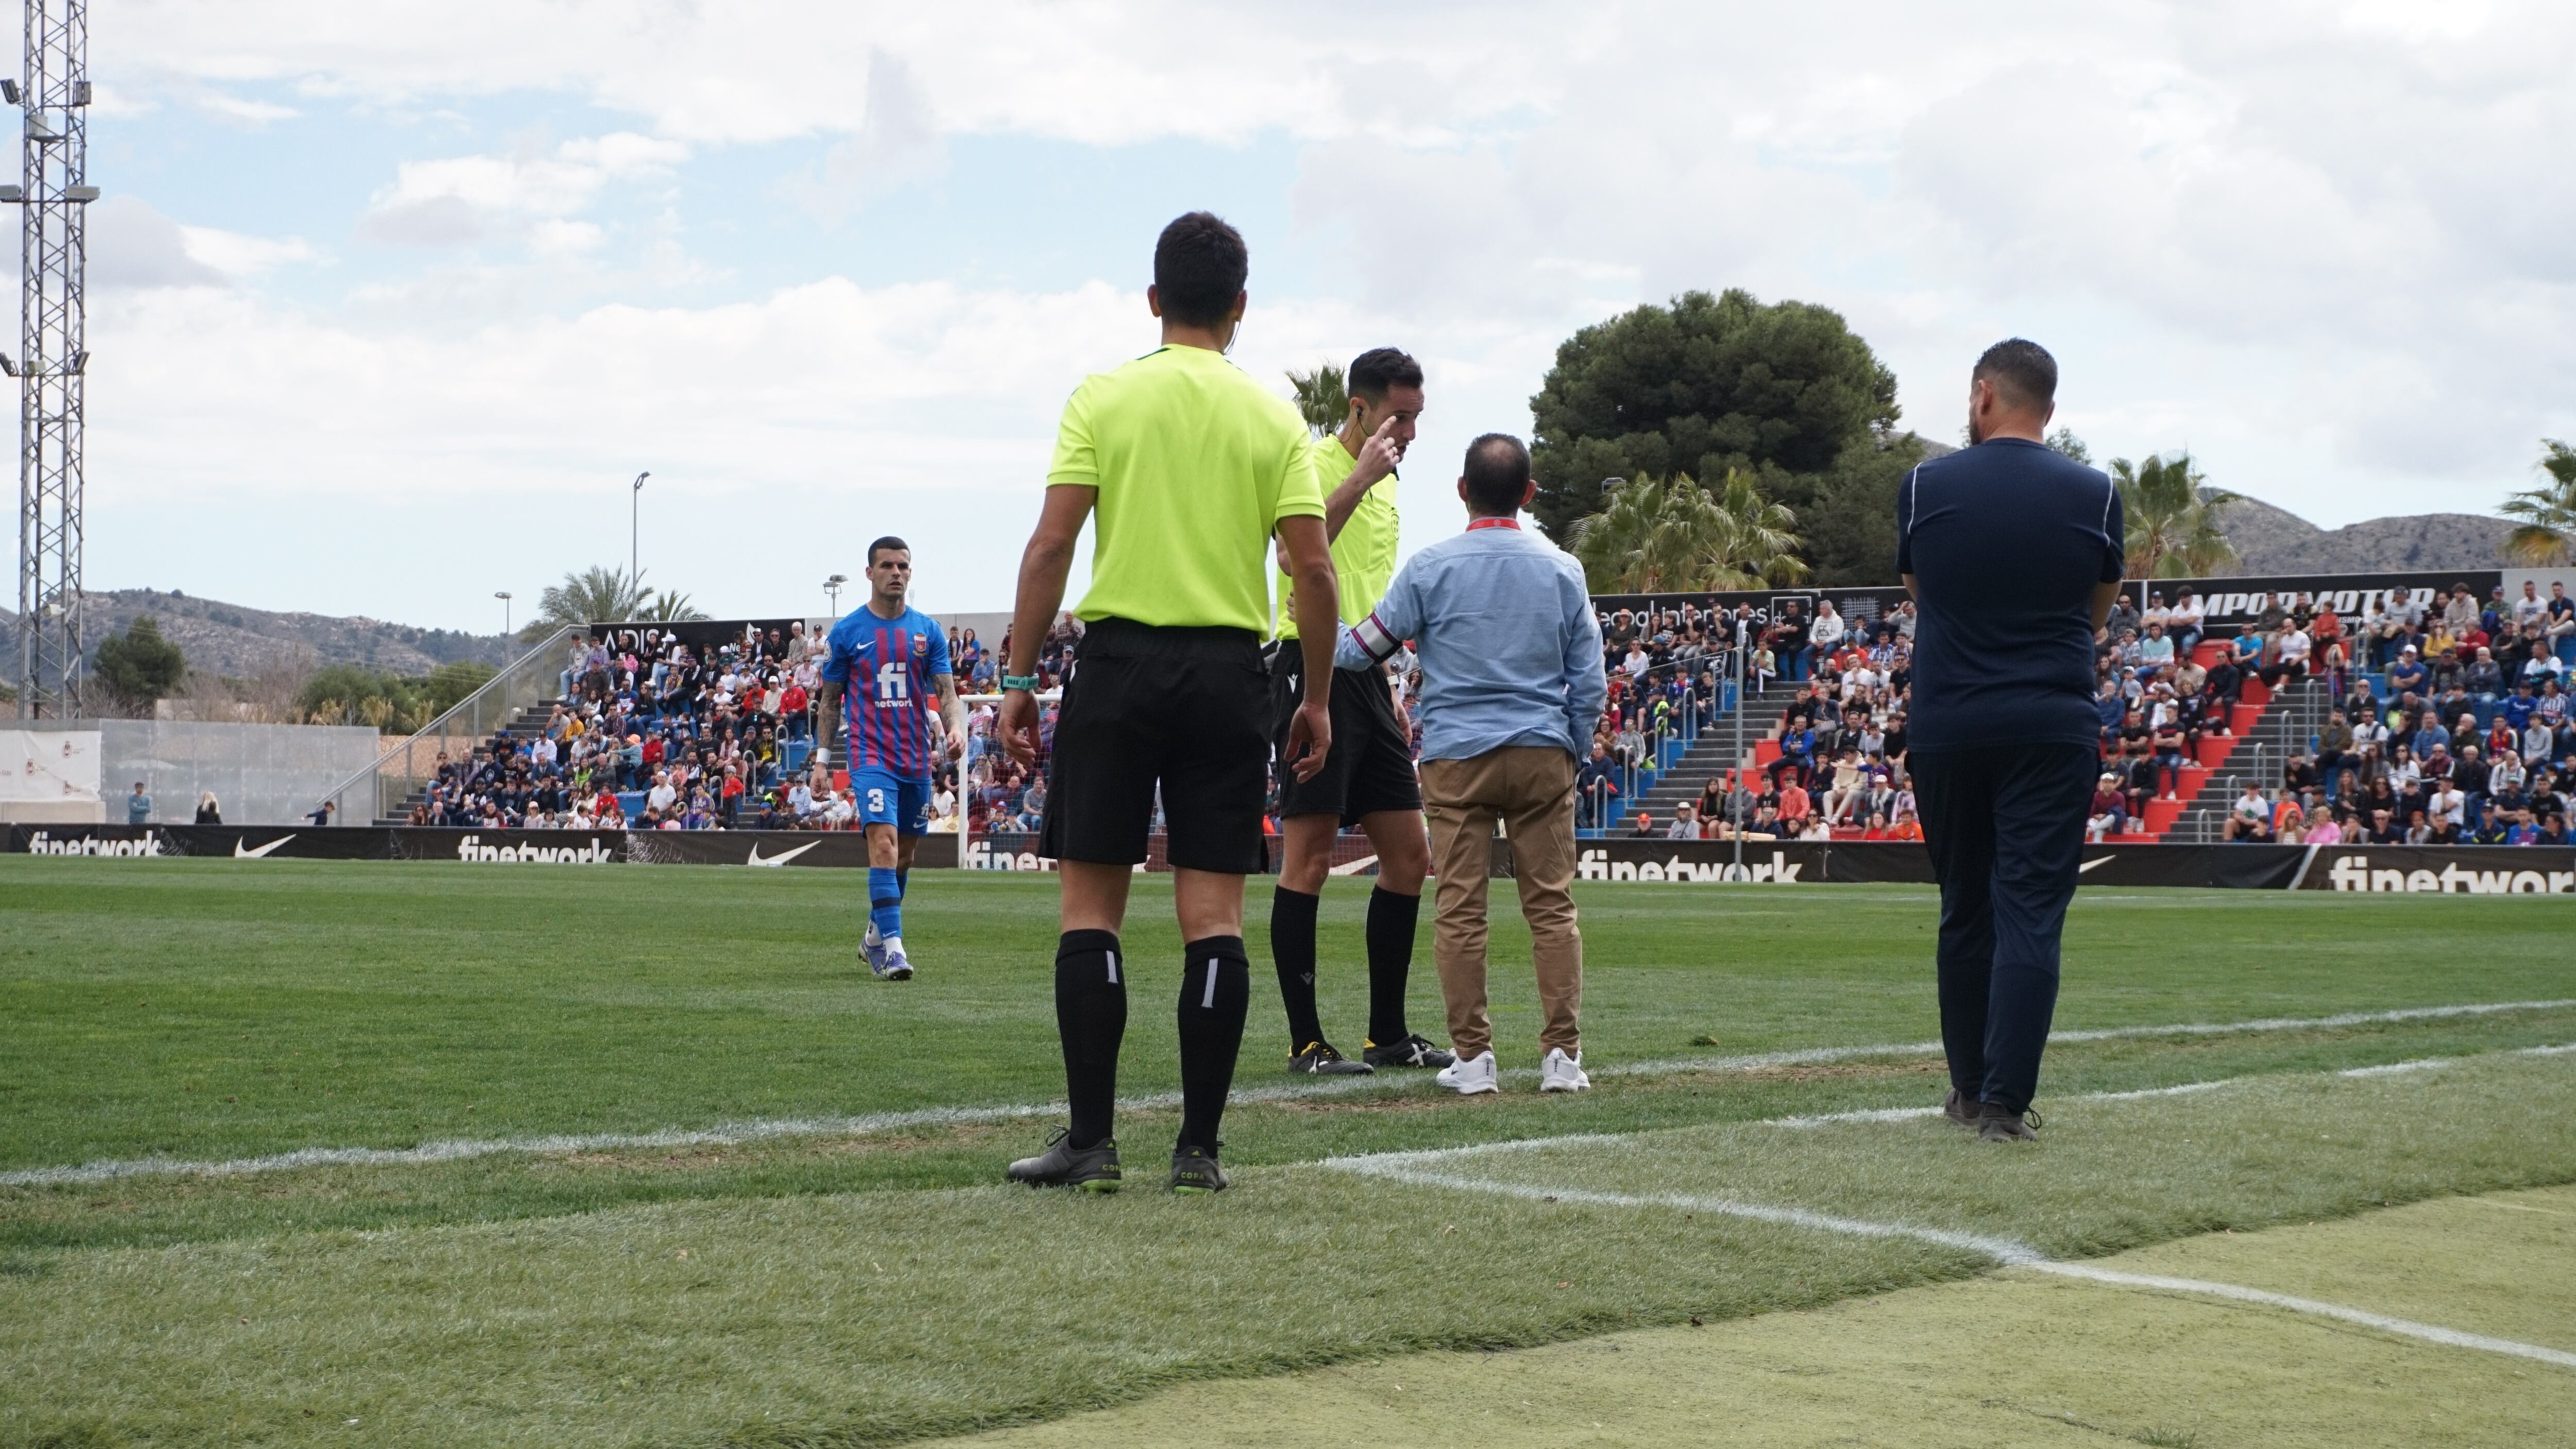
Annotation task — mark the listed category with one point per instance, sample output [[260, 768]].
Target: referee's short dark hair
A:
[[2022, 371], [1380, 368], [887, 542], [1199, 266], [1497, 475]]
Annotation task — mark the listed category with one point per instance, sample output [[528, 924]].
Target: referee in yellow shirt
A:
[[1369, 781], [1192, 468]]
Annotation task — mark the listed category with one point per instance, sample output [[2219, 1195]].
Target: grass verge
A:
[[876, 1317]]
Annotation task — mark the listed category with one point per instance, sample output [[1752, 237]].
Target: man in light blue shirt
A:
[[1511, 688]]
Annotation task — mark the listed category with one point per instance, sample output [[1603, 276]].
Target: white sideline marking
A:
[[1903, 1114], [464, 1149], [2428, 1332], [2426, 1064], [2001, 1250], [1900, 1114], [2004, 1252], [2111, 1033]]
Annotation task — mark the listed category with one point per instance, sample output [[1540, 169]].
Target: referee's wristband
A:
[[1028, 682]]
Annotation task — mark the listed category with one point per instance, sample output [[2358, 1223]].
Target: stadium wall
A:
[[2227, 602], [260, 774], [2363, 869]]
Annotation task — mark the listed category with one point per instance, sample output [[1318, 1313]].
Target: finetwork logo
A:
[[1597, 865], [592, 852], [2354, 873], [43, 843], [981, 855], [894, 685]]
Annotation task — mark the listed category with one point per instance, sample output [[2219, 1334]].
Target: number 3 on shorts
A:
[[876, 802]]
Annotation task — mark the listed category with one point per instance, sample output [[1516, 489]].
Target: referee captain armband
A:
[[1374, 639], [1028, 682]]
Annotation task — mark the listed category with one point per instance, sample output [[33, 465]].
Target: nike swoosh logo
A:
[[2088, 865], [1353, 867], [781, 858], [241, 854]]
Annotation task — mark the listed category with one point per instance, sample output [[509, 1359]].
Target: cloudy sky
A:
[[389, 301]]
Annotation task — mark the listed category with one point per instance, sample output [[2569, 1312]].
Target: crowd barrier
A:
[[2351, 869]]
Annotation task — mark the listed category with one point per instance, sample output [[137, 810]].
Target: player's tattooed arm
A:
[[952, 712], [827, 704]]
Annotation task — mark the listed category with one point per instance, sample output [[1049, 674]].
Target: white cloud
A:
[[468, 198], [244, 112], [239, 256], [2322, 242], [769, 69], [898, 142], [132, 245]]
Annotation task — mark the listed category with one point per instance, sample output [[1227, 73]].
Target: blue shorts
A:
[[886, 798]]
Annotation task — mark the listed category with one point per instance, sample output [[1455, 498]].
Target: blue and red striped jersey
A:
[[885, 668]]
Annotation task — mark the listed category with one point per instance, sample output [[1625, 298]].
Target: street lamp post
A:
[[634, 525], [504, 596], [832, 587]]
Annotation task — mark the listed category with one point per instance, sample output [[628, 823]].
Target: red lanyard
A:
[[1476, 523]]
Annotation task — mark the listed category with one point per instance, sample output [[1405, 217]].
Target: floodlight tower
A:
[[53, 192]]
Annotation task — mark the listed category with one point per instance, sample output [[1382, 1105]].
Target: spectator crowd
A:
[[2450, 723]]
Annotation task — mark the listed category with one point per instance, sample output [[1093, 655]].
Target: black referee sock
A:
[[1390, 951], [1091, 1017], [1292, 951], [1216, 990]]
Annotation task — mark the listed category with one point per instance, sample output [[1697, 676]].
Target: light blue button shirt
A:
[[1511, 654]]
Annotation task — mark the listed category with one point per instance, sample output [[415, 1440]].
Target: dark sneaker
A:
[[1413, 1051], [1194, 1169], [1999, 1123], [1964, 1110], [1320, 1060], [1090, 1169]]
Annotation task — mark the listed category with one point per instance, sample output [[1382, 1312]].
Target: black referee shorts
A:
[[1183, 708], [1370, 767]]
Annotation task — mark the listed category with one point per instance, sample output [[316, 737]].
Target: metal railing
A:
[[2303, 707], [412, 763], [1682, 725]]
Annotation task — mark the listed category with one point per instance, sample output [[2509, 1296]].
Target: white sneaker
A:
[[1562, 1073], [1469, 1076]]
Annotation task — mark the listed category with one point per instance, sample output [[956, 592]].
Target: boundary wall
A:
[[2348, 869]]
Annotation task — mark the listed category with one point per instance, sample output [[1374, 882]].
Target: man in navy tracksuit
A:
[[2013, 553]]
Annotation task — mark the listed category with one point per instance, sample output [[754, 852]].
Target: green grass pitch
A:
[[832, 1285]]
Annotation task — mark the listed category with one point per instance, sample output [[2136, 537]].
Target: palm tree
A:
[[2172, 515], [596, 595], [1670, 536], [2546, 537], [1321, 399], [667, 607]]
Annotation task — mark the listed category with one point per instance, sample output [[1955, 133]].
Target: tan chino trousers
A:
[[1530, 789]]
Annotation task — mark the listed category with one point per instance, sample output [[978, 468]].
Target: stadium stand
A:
[[2300, 725]]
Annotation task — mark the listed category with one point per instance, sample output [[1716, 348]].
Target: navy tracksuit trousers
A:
[[2005, 824]]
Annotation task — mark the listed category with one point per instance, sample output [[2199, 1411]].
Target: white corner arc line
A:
[[2003, 1252], [737, 1133]]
